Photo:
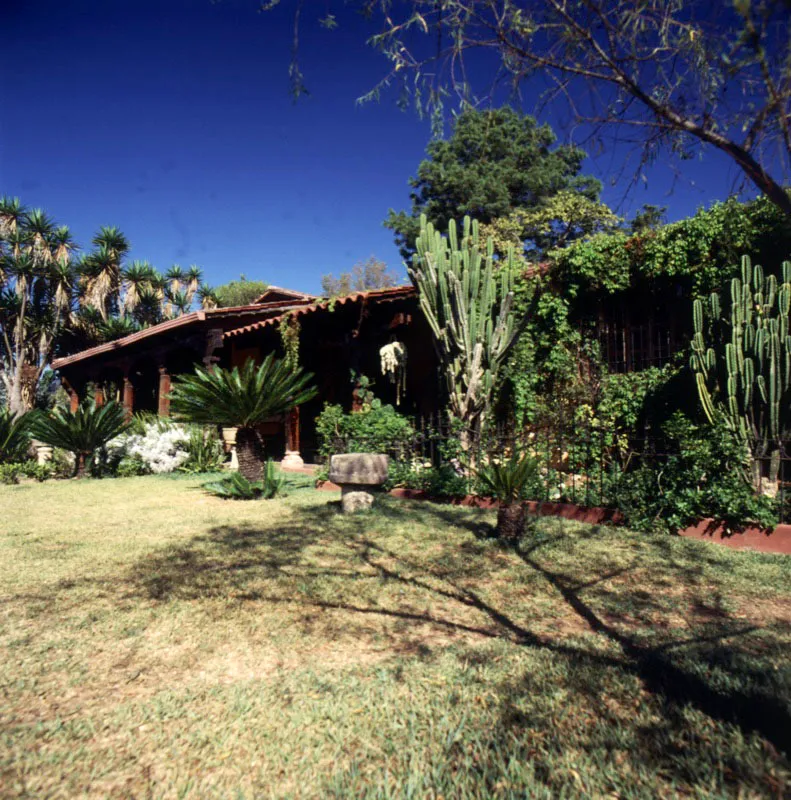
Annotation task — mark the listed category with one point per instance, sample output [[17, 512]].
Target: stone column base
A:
[[356, 497], [234, 459], [292, 460]]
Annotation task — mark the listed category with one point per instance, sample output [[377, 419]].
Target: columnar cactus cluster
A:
[[467, 298], [750, 387]]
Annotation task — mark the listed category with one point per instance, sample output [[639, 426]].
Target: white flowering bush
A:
[[159, 448]]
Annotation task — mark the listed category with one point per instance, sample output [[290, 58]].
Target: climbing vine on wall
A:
[[700, 250], [289, 329]]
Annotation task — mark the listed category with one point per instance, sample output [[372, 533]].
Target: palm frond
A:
[[241, 398]]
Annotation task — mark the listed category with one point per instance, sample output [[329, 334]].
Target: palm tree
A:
[[148, 310], [63, 244], [242, 399], [82, 432], [135, 277], [113, 240], [193, 278], [11, 214], [40, 228], [117, 328], [207, 297], [103, 267], [14, 436], [178, 303], [175, 277]]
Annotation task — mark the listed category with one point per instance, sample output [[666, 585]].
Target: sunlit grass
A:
[[159, 642]]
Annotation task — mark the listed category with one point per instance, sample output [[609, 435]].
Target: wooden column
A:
[[164, 390], [74, 397], [98, 396], [129, 397], [292, 458]]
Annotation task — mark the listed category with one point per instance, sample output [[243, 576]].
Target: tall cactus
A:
[[749, 385], [467, 298]]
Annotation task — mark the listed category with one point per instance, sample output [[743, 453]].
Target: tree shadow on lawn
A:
[[700, 671]]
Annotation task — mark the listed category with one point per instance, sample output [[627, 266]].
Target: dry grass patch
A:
[[158, 642]]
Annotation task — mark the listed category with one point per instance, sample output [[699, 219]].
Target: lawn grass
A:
[[156, 642]]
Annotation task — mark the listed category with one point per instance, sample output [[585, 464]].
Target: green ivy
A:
[[700, 250]]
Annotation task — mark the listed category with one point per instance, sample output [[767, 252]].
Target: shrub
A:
[[158, 445], [10, 473], [131, 467], [376, 428], [237, 487], [39, 472], [204, 452], [703, 477]]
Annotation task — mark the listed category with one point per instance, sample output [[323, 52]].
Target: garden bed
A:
[[764, 540]]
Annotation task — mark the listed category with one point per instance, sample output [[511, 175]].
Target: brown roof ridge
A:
[[394, 292], [292, 292]]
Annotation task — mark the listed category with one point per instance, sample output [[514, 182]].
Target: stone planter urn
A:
[[358, 475], [43, 453], [229, 445], [228, 439]]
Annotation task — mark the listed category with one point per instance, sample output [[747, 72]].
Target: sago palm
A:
[[82, 432], [14, 436], [509, 482], [243, 399]]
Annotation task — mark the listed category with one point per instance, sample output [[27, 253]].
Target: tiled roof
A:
[[262, 313], [261, 309], [378, 295]]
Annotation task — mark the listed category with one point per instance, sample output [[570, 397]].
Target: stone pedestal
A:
[[292, 460], [358, 475], [43, 454], [356, 497]]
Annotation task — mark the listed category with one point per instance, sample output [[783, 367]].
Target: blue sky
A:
[[173, 121]]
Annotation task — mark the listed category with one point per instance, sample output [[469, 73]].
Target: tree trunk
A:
[[250, 453], [511, 522], [79, 465]]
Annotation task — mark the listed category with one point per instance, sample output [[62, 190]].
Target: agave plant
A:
[[14, 436], [81, 432], [508, 482], [242, 398], [237, 487]]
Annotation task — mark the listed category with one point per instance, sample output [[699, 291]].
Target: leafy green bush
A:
[[205, 453], [441, 481], [39, 472], [376, 428], [237, 487], [703, 477], [131, 466], [10, 473]]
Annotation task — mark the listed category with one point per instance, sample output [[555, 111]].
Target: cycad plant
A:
[[82, 432], [243, 399], [509, 482], [237, 487], [14, 436]]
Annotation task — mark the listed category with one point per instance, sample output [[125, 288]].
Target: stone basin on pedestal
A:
[[358, 475]]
